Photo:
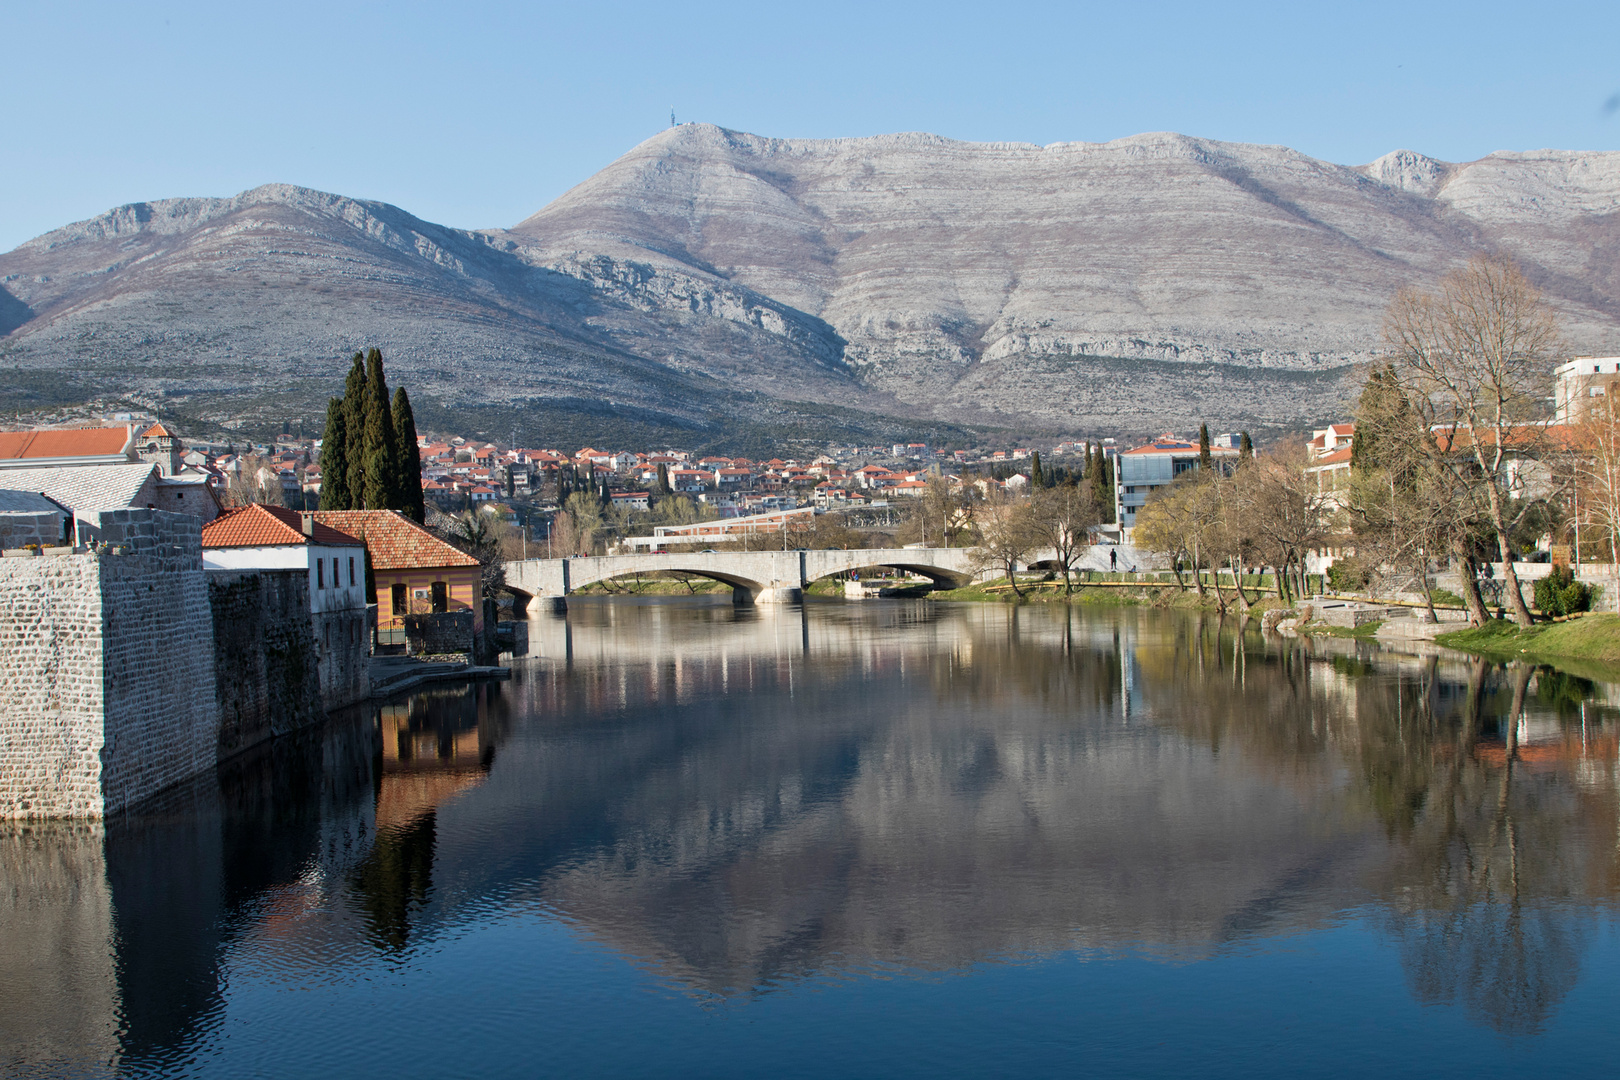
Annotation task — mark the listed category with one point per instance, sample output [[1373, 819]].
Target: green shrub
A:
[[1560, 594], [1346, 577]]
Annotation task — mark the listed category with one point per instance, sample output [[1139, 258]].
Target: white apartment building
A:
[[1581, 379]]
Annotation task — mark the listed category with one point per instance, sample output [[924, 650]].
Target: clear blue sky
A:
[[478, 115]]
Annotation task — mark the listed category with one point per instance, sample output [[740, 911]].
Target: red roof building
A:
[[415, 571], [68, 445]]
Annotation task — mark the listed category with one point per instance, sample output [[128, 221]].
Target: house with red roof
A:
[[414, 571], [274, 538]]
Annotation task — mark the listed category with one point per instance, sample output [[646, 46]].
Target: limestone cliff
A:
[[1139, 284]]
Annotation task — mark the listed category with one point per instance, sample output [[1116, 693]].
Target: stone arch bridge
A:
[[762, 576]]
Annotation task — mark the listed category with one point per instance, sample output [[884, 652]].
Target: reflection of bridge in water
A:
[[764, 576]]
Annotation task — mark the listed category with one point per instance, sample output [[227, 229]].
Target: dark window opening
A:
[[441, 596], [398, 601], [337, 576], [351, 569], [320, 573]]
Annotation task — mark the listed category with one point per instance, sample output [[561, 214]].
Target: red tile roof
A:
[[63, 442], [157, 431], [395, 541], [257, 525]]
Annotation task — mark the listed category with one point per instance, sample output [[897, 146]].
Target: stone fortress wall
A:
[[20, 530], [127, 668], [265, 661], [102, 659], [342, 640]]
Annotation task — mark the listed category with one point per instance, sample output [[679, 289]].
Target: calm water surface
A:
[[882, 839]]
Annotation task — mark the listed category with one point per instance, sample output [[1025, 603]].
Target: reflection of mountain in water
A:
[[735, 798]]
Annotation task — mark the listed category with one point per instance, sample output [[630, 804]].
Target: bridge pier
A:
[[779, 594]]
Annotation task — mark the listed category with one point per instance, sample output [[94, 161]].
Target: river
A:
[[893, 838]]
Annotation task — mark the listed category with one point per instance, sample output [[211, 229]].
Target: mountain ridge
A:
[[1136, 284]]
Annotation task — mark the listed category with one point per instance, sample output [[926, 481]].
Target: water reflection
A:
[[738, 798]]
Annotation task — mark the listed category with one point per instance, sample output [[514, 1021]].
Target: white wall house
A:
[[274, 538]]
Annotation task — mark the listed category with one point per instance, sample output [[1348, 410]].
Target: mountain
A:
[[711, 279]]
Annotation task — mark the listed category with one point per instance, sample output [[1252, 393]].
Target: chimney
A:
[[309, 523]]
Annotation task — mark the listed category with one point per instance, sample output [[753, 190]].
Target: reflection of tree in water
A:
[[1481, 890], [394, 878], [432, 747], [1498, 851]]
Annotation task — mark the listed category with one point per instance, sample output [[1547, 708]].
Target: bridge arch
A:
[[941, 577], [736, 581]]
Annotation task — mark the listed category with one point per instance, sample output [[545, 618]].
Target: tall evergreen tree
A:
[[410, 501], [335, 458], [381, 453], [1203, 446], [1036, 480], [1245, 447], [354, 416], [661, 481]]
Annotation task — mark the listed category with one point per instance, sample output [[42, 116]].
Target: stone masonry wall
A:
[[343, 645], [438, 633], [20, 530], [266, 672], [158, 656], [106, 670], [51, 686]]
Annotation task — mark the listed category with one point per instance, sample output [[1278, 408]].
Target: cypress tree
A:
[[410, 459], [335, 458], [381, 455], [1245, 447], [1036, 480], [661, 481], [1203, 446], [354, 416]]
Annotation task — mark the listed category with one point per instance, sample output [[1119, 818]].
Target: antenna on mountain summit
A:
[[672, 118]]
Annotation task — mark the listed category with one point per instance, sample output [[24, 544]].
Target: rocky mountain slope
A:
[[708, 277]]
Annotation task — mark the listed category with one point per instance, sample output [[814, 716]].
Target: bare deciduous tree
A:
[[1474, 359], [1062, 518], [1007, 534]]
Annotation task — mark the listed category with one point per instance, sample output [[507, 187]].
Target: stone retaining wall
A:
[[439, 633]]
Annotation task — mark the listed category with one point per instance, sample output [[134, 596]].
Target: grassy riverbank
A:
[[1595, 638], [1131, 595]]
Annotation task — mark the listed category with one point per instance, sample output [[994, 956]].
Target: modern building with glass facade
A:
[[1139, 472]]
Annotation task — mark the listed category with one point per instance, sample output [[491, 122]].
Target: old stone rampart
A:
[[18, 530], [106, 669], [343, 648], [266, 663]]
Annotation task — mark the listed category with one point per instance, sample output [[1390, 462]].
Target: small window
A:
[[337, 577], [441, 596], [320, 573], [1596, 368], [351, 569], [399, 600]]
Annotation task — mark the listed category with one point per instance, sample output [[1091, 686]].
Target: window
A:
[[397, 601], [337, 578], [441, 596], [351, 569], [320, 573]]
